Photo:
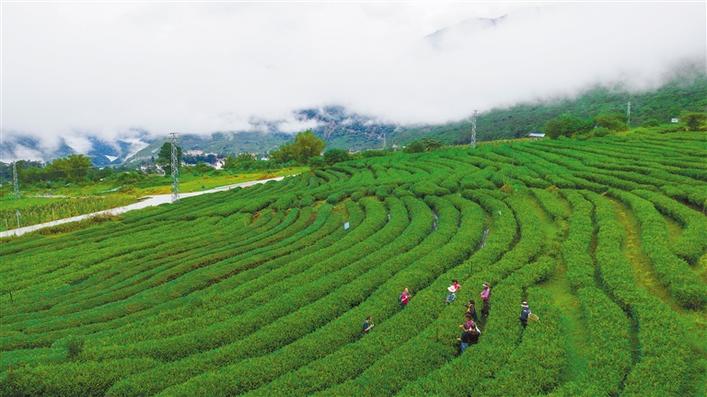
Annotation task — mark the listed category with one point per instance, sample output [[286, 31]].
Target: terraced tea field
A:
[[262, 291]]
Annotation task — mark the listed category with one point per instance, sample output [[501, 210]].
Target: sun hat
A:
[[451, 289], [524, 304]]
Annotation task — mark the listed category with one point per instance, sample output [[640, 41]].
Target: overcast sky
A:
[[75, 68]]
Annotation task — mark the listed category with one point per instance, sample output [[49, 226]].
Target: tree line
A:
[[603, 124]]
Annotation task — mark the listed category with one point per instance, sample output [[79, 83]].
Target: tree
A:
[[283, 154], [694, 120], [651, 122], [415, 147], [333, 156], [72, 168], [305, 146], [601, 131], [164, 157], [201, 168], [423, 145], [611, 121], [431, 144], [242, 161], [316, 162], [566, 125]]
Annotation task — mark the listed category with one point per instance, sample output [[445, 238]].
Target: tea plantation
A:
[[262, 291]]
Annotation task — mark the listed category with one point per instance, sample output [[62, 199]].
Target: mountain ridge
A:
[[342, 128]]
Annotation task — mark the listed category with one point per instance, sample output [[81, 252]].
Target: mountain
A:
[[685, 92], [102, 152], [342, 128], [30, 148], [223, 143], [334, 124]]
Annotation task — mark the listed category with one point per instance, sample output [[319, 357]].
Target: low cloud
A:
[[78, 68]]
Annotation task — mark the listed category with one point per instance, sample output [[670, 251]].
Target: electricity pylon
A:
[[15, 180], [175, 168], [473, 129]]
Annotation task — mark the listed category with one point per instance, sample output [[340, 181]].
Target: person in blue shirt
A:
[[524, 314], [367, 325]]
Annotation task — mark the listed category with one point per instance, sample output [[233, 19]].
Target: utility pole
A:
[[473, 129], [175, 167], [628, 114], [15, 180]]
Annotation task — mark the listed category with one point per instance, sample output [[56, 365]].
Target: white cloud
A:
[[21, 152], [293, 125], [79, 143], [105, 68]]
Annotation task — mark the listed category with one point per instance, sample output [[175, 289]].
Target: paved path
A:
[[147, 201]]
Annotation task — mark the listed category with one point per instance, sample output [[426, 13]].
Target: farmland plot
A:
[[262, 291]]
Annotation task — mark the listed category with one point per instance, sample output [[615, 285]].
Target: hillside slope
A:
[[659, 105], [262, 291]]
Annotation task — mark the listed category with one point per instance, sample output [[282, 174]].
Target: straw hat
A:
[[524, 304], [451, 289]]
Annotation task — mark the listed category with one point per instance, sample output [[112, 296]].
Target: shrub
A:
[[74, 347], [566, 125], [601, 131], [333, 156]]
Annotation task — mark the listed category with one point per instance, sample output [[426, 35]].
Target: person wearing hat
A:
[[453, 291], [524, 314], [485, 297]]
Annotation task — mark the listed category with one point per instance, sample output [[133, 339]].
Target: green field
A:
[[39, 205], [261, 291]]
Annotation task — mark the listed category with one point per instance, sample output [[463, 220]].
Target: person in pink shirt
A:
[[470, 334], [404, 298], [469, 324], [453, 291], [485, 297]]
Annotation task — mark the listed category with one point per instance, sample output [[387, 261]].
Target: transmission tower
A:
[[473, 129], [175, 167], [628, 114], [15, 180], [384, 141]]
